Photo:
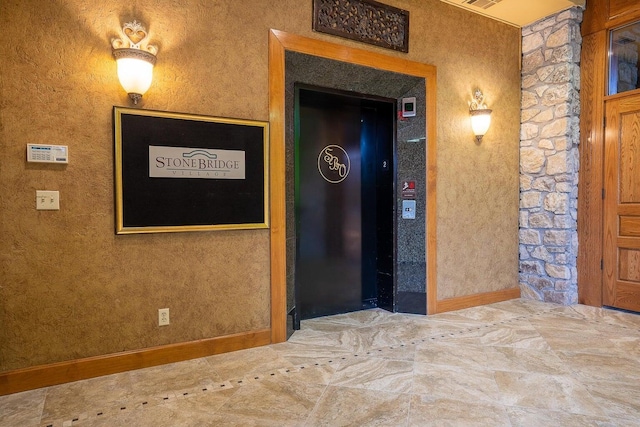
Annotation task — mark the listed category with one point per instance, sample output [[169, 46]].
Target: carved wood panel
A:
[[363, 20]]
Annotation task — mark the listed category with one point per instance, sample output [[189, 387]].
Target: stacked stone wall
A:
[[549, 158]]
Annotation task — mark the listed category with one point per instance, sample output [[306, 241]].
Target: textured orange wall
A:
[[477, 184], [70, 288]]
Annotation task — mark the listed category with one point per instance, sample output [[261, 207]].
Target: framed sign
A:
[[184, 172]]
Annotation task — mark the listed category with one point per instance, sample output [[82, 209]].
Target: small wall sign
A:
[[408, 209], [198, 163], [409, 190]]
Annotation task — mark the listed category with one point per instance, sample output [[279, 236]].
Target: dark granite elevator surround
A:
[[411, 302], [411, 164]]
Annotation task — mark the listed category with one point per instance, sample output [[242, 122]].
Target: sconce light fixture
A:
[[135, 62], [480, 115]]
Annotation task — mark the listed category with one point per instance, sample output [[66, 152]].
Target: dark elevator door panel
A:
[[344, 195], [378, 216], [328, 205]]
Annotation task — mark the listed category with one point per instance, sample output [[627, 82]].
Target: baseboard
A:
[[91, 367], [475, 300]]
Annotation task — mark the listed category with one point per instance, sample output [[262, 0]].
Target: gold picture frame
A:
[[177, 172]]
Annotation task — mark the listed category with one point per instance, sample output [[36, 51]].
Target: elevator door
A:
[[344, 203]]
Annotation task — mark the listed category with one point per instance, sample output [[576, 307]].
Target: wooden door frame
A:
[[599, 17], [616, 291], [593, 63], [279, 43]]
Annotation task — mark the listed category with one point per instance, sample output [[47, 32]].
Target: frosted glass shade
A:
[[135, 71], [480, 122]]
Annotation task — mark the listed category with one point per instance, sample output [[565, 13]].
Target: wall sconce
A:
[[480, 115], [135, 63]]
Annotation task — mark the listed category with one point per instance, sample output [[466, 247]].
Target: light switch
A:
[[47, 200]]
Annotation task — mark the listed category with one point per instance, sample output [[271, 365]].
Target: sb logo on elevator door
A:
[[334, 164]]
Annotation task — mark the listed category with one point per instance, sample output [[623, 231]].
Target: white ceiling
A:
[[516, 12]]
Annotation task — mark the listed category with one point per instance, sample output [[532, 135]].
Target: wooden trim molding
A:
[[279, 43], [431, 219], [623, 20], [608, 14], [277, 195], [590, 182], [621, 7], [458, 303], [623, 12], [91, 367], [595, 16]]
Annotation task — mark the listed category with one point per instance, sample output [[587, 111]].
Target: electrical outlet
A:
[[163, 317]]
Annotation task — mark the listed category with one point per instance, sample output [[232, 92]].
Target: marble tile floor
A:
[[515, 363]]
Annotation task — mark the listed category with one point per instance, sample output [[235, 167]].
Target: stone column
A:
[[549, 140]]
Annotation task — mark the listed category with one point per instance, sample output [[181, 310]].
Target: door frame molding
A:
[[593, 63], [279, 43], [599, 17]]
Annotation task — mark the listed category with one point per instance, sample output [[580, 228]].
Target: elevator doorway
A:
[[344, 202]]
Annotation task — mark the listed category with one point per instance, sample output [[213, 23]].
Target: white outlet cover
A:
[[163, 317]]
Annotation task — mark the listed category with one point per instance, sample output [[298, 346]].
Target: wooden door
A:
[[621, 282]]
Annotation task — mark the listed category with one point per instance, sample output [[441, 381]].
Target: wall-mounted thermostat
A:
[[409, 107], [41, 153]]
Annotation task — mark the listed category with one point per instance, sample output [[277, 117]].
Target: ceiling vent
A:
[[482, 4], [517, 12]]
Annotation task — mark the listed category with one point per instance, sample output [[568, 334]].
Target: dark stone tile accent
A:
[[411, 277], [411, 302]]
